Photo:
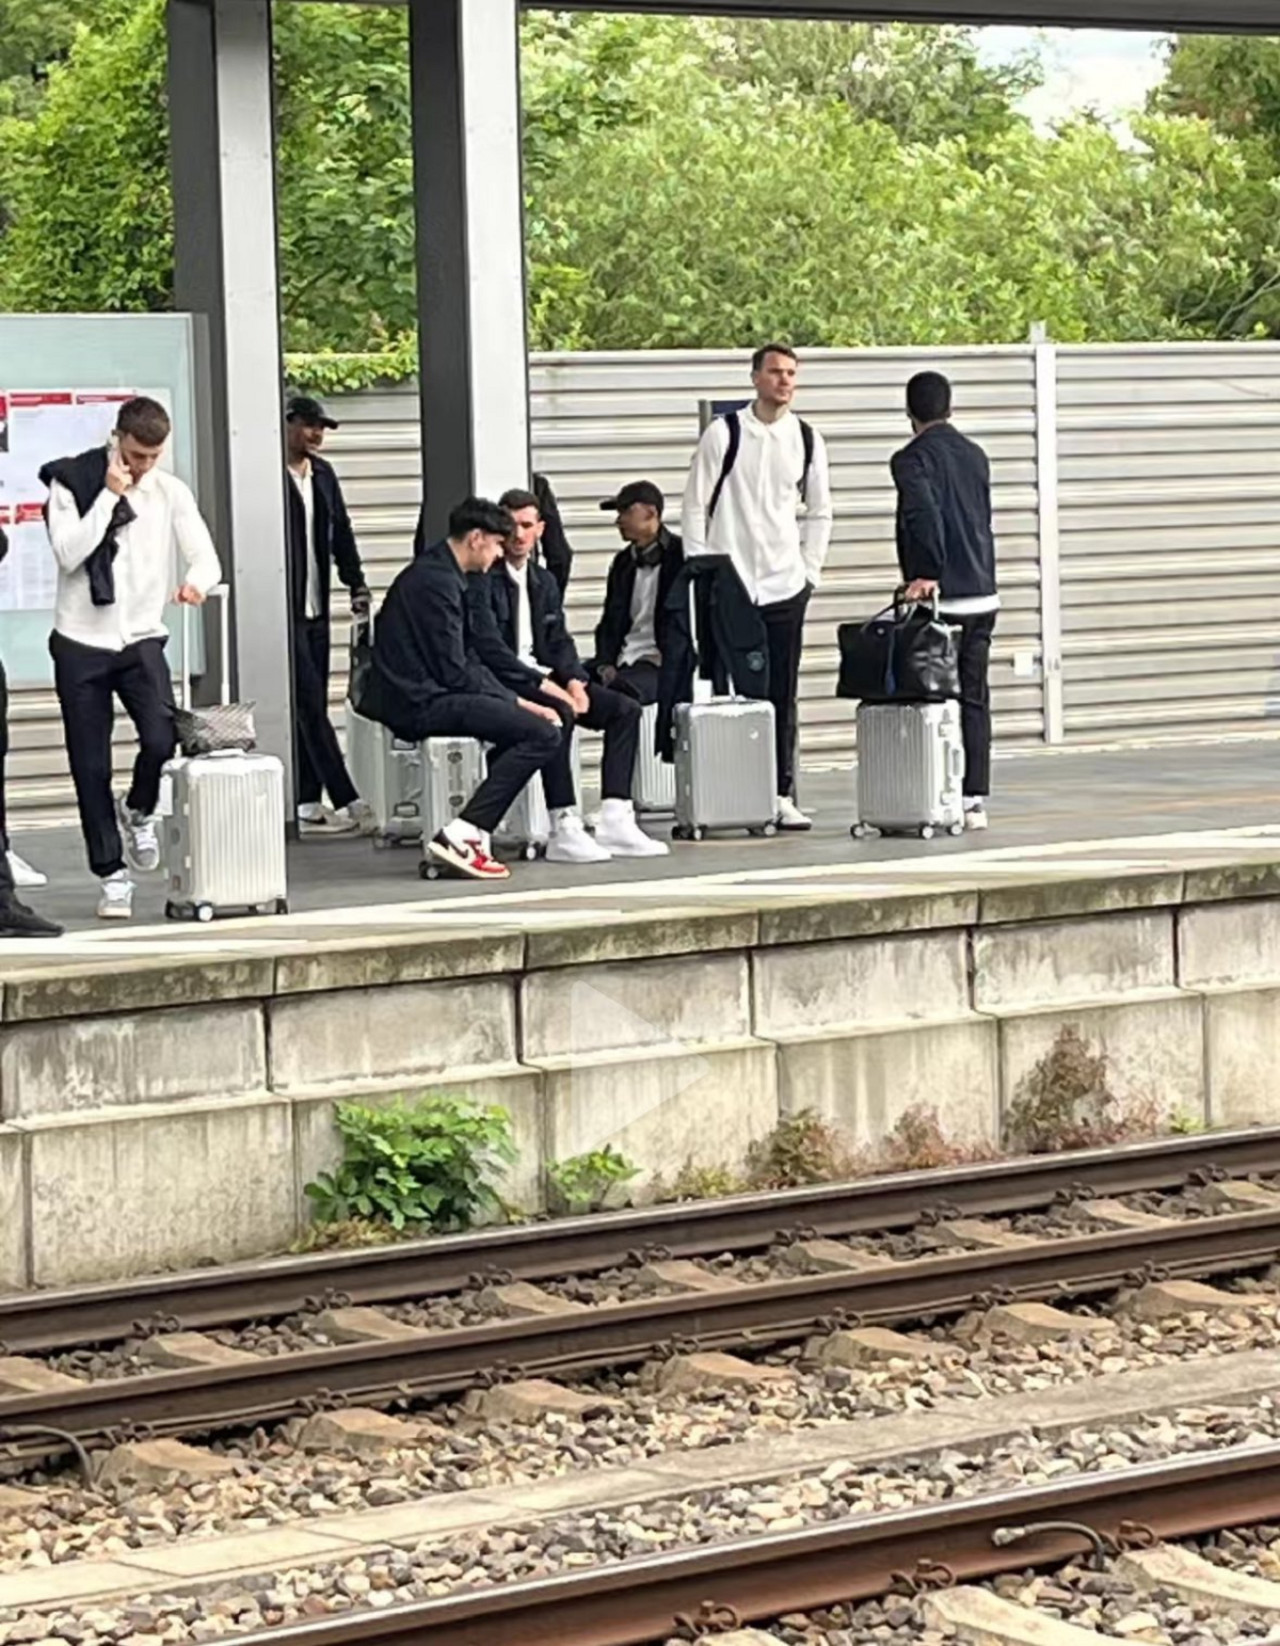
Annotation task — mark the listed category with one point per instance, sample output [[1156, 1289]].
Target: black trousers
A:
[[638, 680], [975, 700], [321, 767], [618, 717], [784, 631], [523, 743], [88, 679]]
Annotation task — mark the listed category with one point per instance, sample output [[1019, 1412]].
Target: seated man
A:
[[520, 634], [631, 630], [426, 681]]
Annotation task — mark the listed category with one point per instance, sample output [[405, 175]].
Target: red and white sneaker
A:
[[467, 857]]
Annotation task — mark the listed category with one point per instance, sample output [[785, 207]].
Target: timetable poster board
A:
[[37, 426]]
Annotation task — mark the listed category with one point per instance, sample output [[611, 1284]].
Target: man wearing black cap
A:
[[320, 536], [630, 632]]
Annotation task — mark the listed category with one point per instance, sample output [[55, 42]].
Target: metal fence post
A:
[[1046, 376]]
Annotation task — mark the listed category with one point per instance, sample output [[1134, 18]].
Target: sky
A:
[[1111, 69]]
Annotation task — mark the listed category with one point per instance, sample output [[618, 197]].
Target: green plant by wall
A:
[[587, 1182], [429, 1166], [1066, 1102], [801, 1149]]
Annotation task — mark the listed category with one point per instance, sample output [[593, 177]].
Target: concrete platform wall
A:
[[162, 1115]]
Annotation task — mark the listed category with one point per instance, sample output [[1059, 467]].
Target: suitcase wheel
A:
[[204, 912], [860, 831], [381, 842], [428, 871], [174, 911], [531, 851], [927, 831], [282, 905], [697, 832], [956, 828]]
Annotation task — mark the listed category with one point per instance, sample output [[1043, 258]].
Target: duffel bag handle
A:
[[900, 603]]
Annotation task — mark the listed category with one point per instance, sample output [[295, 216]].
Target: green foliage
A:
[[801, 1149], [585, 1181], [1066, 1102], [693, 182], [429, 1166]]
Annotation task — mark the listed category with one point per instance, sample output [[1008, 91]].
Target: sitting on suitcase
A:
[[425, 680], [946, 551], [633, 622], [520, 635]]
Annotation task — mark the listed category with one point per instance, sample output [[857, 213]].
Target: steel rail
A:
[[638, 1602], [446, 1362], [45, 1320]]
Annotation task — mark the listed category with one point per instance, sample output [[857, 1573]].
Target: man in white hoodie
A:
[[759, 491]]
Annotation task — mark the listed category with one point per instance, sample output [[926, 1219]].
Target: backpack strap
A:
[[734, 425], [806, 438]]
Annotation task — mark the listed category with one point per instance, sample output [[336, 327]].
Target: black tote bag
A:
[[905, 654]]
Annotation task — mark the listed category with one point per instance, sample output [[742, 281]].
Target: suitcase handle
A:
[[955, 759], [222, 594]]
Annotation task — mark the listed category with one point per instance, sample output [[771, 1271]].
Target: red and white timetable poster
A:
[[36, 426]]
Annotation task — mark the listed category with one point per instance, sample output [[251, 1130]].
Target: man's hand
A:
[[924, 588], [189, 595], [552, 688], [118, 477], [544, 711], [361, 602], [608, 674], [578, 697]]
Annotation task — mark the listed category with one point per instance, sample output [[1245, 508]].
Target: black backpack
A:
[[734, 424]]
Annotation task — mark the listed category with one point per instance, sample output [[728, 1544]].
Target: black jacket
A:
[[615, 619], [85, 477], [422, 646], [493, 627], [335, 542], [730, 646], [944, 513]]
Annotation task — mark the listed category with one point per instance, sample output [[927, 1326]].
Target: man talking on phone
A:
[[119, 526]]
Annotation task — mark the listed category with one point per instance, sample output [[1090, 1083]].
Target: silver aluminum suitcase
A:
[[223, 820], [653, 785], [910, 769], [387, 773], [452, 770], [725, 767]]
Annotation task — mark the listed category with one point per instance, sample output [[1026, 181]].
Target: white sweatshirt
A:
[[166, 545], [776, 540]]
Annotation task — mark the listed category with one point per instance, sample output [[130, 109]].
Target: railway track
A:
[[643, 1602], [34, 1322], [569, 1341]]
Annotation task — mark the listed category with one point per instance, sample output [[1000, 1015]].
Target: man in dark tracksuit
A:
[[946, 548], [320, 537], [16, 920], [520, 634], [425, 680], [632, 628]]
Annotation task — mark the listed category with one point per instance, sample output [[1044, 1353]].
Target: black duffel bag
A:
[[905, 654]]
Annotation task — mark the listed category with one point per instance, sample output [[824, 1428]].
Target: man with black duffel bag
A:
[[946, 552]]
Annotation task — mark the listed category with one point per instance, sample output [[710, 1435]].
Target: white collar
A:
[[518, 574]]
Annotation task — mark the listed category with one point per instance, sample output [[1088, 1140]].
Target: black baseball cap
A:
[[303, 409], [636, 491]]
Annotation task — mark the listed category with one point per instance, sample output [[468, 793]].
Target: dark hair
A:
[[478, 514], [759, 357], [929, 397], [146, 421], [518, 498]]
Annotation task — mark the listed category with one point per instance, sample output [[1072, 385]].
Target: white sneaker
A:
[[139, 838], [361, 814], [319, 821], [24, 876], [975, 815], [116, 902], [619, 831], [569, 842], [790, 816]]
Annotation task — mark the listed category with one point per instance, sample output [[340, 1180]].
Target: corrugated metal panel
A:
[[1169, 486], [601, 419]]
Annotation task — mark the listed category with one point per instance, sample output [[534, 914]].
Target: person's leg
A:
[[975, 710], [143, 685], [639, 680], [308, 789], [784, 629], [319, 754], [522, 744], [618, 717], [568, 841], [82, 677]]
